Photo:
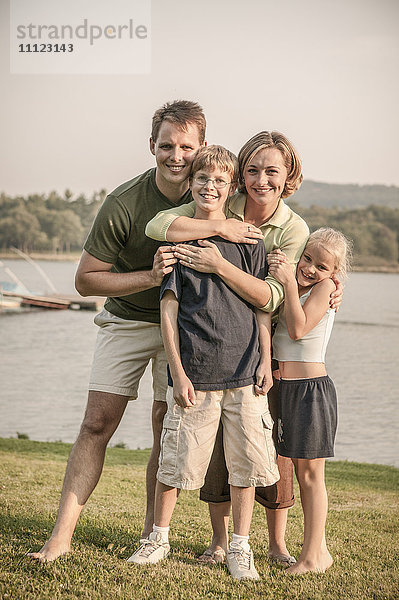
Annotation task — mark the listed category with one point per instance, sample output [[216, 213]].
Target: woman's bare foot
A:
[[216, 552], [286, 560], [50, 551], [212, 556], [306, 566], [279, 554]]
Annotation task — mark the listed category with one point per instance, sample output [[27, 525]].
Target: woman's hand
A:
[[279, 267], [276, 374], [206, 259], [264, 379], [240, 232]]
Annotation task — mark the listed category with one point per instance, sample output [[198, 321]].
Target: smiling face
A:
[[265, 176], [315, 264], [208, 199], [174, 151]]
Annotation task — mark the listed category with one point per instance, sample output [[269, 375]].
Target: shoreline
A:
[[64, 448], [379, 269], [71, 257], [74, 257]]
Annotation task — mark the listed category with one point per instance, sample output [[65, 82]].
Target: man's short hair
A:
[[215, 157], [181, 113]]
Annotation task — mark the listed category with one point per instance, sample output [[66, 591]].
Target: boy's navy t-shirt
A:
[[219, 345]]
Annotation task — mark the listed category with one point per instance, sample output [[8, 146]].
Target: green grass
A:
[[362, 533]]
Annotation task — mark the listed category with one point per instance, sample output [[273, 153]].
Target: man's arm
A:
[[94, 276], [183, 390]]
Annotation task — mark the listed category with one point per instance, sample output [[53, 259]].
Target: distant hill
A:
[[347, 196]]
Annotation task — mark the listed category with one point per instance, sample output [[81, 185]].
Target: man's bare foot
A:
[[306, 566], [50, 551]]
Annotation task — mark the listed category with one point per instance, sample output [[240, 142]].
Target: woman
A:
[[270, 170]]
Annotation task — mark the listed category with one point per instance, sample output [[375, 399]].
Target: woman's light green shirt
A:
[[285, 230]]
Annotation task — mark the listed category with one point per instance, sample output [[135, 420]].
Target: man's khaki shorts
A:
[[122, 352], [189, 435]]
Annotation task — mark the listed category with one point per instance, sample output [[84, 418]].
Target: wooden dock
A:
[[56, 301], [80, 303]]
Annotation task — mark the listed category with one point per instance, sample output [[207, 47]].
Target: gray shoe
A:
[[241, 563], [151, 551]]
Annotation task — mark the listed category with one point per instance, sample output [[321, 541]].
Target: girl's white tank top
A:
[[312, 347]]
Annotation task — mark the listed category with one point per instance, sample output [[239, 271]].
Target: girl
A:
[[307, 405]]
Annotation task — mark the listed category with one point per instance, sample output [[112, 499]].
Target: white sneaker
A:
[[151, 551], [240, 562]]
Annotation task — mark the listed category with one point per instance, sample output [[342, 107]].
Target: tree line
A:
[[60, 223], [47, 223], [374, 230]]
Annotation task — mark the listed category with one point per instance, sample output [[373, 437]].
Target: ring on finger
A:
[[249, 228], [189, 260]]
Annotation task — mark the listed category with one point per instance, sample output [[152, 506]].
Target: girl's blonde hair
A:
[[337, 244], [273, 139]]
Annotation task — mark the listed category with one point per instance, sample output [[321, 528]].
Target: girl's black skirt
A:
[[307, 418]]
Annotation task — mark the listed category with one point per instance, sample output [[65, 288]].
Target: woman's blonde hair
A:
[[337, 244], [273, 139]]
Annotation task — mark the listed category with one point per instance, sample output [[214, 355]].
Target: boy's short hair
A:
[[273, 139], [181, 113], [213, 157]]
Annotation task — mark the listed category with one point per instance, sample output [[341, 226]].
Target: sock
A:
[[164, 531], [242, 540]]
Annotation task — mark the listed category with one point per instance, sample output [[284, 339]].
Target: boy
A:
[[218, 347]]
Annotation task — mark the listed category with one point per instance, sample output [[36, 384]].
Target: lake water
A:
[[45, 362]]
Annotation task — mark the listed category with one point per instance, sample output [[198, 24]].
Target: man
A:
[[120, 262]]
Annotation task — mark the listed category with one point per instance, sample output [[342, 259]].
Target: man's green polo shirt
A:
[[118, 237]]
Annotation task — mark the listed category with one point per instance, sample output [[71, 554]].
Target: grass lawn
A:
[[362, 533]]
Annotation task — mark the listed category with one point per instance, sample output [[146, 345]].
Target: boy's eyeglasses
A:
[[218, 184]]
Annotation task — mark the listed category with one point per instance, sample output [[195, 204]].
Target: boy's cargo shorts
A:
[[277, 496], [189, 434]]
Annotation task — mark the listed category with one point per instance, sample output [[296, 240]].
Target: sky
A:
[[323, 72]]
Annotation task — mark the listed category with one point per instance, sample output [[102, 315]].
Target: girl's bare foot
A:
[[50, 551], [307, 566]]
